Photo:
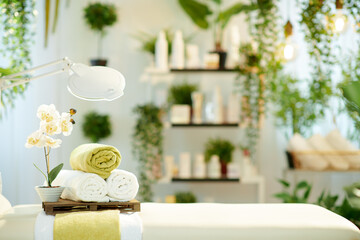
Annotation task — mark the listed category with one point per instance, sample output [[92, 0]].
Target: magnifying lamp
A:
[[94, 83]]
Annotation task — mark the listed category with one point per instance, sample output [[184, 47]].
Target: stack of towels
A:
[[333, 142], [94, 177]]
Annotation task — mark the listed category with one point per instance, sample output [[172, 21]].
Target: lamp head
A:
[[95, 83]]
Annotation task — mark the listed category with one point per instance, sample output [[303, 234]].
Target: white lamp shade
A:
[[95, 83]]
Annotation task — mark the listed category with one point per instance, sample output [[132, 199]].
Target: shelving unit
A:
[[205, 125], [206, 79], [205, 180], [259, 181]]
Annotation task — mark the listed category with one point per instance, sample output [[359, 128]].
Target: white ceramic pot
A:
[[49, 194]]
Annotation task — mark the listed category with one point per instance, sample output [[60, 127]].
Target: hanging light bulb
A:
[[339, 19], [289, 50]]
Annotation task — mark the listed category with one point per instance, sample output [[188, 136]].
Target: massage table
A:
[[213, 221]]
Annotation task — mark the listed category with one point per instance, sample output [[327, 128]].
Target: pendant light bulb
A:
[[289, 51], [339, 19]]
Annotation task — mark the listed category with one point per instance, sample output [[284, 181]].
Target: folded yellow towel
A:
[[95, 158], [102, 225]]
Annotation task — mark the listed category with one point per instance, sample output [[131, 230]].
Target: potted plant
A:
[[51, 123], [222, 148], [179, 97], [99, 16], [199, 12], [96, 126], [185, 197]]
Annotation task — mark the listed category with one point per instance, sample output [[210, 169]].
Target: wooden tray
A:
[[67, 206]]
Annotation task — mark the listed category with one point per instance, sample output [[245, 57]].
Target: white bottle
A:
[[218, 106], [169, 167], [161, 52], [214, 170], [192, 56], [185, 165], [199, 166], [197, 105], [177, 51], [233, 109]]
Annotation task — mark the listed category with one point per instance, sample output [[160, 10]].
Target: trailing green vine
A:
[[261, 64], [17, 17], [147, 147], [318, 37]]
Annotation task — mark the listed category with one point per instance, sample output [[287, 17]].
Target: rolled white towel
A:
[[122, 185], [311, 162], [336, 162], [81, 186], [337, 141]]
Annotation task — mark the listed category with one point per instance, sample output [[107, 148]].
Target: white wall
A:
[[73, 39]]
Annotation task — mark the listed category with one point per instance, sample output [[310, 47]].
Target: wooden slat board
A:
[[67, 206]]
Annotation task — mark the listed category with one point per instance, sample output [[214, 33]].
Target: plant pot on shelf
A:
[[98, 62], [49, 194], [224, 169], [222, 58], [180, 114]]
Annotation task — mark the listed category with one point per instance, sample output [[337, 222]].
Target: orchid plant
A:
[[51, 123]]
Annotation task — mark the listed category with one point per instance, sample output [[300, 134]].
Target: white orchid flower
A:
[[53, 143], [65, 124], [50, 128], [48, 113], [36, 139]]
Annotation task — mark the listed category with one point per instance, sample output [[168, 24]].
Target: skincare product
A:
[[192, 56], [185, 165], [197, 100], [233, 109], [211, 61], [214, 167], [199, 166], [169, 166], [177, 53], [161, 52], [218, 106]]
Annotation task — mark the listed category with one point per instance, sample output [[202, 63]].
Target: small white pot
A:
[[49, 194], [180, 114]]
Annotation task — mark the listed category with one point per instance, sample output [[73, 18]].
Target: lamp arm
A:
[[19, 81]]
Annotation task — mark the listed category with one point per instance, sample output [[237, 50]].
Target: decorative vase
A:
[[98, 62], [223, 166], [49, 194], [180, 114]]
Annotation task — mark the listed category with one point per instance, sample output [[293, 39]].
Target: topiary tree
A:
[[99, 16]]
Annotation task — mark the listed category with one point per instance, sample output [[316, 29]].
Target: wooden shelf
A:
[[206, 125], [203, 180], [198, 70], [320, 172]]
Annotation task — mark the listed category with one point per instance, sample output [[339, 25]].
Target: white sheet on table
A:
[[214, 221], [130, 226]]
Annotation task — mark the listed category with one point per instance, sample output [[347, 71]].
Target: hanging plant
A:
[[293, 107], [260, 64], [17, 19], [319, 39], [96, 126], [147, 147]]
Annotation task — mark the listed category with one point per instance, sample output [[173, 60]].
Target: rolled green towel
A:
[[95, 158]]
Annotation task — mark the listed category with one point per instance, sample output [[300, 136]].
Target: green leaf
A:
[[54, 172], [284, 183], [225, 16], [198, 12], [41, 172], [351, 94], [301, 185], [285, 197]]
